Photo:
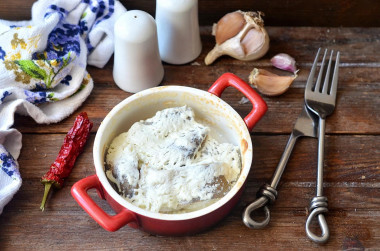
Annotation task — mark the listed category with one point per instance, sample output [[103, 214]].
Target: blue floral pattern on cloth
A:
[[56, 9], [44, 60], [47, 68], [2, 53], [5, 94], [8, 164], [39, 96], [66, 80], [83, 27], [35, 97], [62, 40], [65, 38], [111, 9], [99, 7], [51, 66]]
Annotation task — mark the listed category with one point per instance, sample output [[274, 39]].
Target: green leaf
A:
[[30, 68], [50, 96], [67, 59]]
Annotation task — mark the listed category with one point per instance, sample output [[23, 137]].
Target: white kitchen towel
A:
[[43, 69]]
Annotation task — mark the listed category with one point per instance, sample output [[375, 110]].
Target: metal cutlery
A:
[[306, 125], [321, 100]]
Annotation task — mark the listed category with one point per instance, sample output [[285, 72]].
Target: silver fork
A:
[[321, 100]]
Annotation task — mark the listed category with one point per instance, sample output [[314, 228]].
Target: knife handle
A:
[[268, 193], [283, 161]]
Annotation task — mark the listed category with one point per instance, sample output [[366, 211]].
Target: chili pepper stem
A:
[[46, 193], [72, 146]]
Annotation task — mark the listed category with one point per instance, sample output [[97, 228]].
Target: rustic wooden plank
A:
[[349, 218], [358, 47], [351, 186], [346, 169], [343, 164], [292, 13], [196, 74], [355, 112], [16, 10], [357, 93], [352, 171], [343, 197], [285, 231]]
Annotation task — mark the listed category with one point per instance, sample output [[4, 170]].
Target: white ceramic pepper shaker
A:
[[178, 30], [137, 62]]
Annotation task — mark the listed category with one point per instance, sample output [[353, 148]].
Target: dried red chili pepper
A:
[[72, 146]]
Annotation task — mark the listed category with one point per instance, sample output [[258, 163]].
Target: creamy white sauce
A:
[[169, 163]]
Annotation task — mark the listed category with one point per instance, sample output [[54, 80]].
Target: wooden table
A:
[[352, 157]]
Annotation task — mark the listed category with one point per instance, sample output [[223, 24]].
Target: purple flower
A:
[[66, 80], [102, 7], [63, 39], [35, 97], [40, 86], [71, 30], [55, 9], [83, 27], [9, 164], [2, 53], [5, 94]]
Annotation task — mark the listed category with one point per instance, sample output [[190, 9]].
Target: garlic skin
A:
[[285, 62], [270, 84], [228, 26], [249, 43]]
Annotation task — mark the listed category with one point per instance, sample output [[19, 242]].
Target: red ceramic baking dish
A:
[[210, 110]]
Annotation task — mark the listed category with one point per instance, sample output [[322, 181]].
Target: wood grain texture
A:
[[352, 186], [352, 157], [346, 13], [359, 81]]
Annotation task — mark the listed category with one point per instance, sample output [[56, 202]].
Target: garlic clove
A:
[[285, 62], [229, 26], [250, 43], [270, 84]]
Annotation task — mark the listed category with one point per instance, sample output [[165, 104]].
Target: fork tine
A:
[[327, 77], [318, 83], [309, 83], [334, 83]]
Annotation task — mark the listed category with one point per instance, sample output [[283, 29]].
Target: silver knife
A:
[[306, 125]]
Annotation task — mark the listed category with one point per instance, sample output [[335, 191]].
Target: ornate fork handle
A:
[[318, 206], [321, 98]]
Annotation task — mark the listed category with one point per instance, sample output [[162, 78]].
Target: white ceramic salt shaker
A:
[[178, 30], [137, 62]]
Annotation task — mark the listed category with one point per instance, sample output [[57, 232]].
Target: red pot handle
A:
[[259, 105], [108, 222]]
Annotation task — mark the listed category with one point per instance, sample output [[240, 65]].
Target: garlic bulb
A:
[[240, 35], [269, 83]]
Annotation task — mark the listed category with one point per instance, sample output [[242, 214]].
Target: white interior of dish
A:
[[210, 110]]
